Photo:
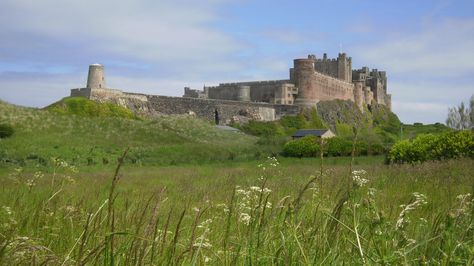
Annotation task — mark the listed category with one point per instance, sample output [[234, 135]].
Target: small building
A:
[[320, 133]]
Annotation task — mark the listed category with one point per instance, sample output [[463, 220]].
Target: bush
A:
[[259, 128], [337, 146], [6, 131], [433, 147], [293, 123], [307, 146]]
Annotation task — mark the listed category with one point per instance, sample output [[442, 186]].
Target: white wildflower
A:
[[202, 242], [255, 188], [371, 192], [7, 209], [244, 218], [205, 223], [357, 176]]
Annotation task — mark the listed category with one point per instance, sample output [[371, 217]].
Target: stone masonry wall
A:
[[260, 91], [154, 105]]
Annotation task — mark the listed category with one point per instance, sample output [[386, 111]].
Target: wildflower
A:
[[202, 243], [357, 176], [38, 175], [205, 223], [223, 206], [70, 208], [371, 192], [255, 188], [7, 209], [245, 218], [464, 203]]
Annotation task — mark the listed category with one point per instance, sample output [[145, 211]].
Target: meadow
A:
[[185, 193], [268, 212]]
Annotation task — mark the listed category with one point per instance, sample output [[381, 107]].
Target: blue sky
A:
[[159, 47]]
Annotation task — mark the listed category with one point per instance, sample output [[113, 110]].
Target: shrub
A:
[[259, 128], [6, 131], [307, 146], [433, 147], [293, 123], [338, 146]]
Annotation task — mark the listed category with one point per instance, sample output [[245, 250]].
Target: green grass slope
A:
[[84, 107], [86, 133]]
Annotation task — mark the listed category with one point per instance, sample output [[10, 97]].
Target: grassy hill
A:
[[87, 133], [411, 131], [83, 107]]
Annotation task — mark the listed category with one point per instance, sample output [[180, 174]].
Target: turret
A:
[[96, 77], [344, 67], [302, 74], [359, 96], [243, 93]]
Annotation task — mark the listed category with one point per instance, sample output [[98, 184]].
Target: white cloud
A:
[[429, 69], [440, 48], [145, 30]]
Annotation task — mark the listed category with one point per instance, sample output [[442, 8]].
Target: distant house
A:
[[320, 133]]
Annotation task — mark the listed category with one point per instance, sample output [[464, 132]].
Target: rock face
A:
[[338, 111], [347, 112]]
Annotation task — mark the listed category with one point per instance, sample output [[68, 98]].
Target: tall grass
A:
[[242, 214]]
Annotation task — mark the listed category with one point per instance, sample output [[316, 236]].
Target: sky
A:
[[159, 47]]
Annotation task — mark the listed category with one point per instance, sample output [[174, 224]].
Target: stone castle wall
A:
[[314, 86], [209, 109], [260, 91]]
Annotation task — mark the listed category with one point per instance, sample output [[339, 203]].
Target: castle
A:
[[311, 80]]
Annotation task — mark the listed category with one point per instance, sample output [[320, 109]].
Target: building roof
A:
[[312, 132]]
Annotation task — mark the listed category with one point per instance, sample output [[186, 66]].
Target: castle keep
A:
[[311, 80]]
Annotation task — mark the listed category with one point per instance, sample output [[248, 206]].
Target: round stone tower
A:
[[96, 77], [302, 73], [359, 96], [243, 93]]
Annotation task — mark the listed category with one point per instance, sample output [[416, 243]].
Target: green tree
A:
[[461, 117]]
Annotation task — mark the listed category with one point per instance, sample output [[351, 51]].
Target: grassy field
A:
[[187, 193], [265, 212]]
